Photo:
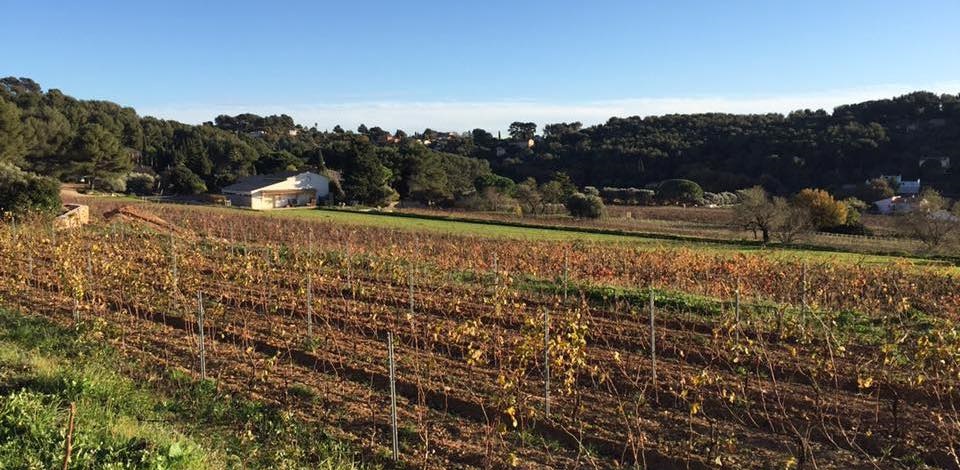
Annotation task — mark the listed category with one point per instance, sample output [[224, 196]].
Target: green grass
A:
[[847, 325], [175, 422], [483, 229], [497, 230]]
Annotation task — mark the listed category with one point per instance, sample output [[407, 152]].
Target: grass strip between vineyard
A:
[[533, 230], [132, 415]]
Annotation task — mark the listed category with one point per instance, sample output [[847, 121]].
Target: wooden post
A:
[[173, 261], [349, 270], [393, 397], [68, 445], [803, 294], [203, 351], [496, 270], [566, 275], [736, 310], [653, 339], [410, 285], [546, 363], [310, 306]]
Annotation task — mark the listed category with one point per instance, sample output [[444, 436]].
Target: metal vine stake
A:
[[393, 397], [309, 305], [546, 362], [203, 351]]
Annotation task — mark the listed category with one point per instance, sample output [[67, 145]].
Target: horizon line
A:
[[496, 115]]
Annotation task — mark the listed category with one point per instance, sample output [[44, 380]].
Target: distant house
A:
[[257, 134], [896, 205], [289, 189], [904, 187], [528, 144]]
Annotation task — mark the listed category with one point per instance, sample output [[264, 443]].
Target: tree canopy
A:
[[53, 134]]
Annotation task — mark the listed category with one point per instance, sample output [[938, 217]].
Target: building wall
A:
[[266, 200], [239, 200], [301, 190], [303, 181]]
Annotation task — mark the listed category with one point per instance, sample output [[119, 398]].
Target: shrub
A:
[[181, 180], [630, 196], [553, 208], [825, 211], [875, 190], [720, 199], [500, 183], [141, 183], [850, 229], [113, 184], [679, 191], [22, 192], [585, 206], [643, 197], [591, 191], [729, 199], [855, 208]]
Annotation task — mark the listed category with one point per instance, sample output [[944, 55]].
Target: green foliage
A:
[[497, 182], [123, 424], [522, 131], [629, 196], [528, 196], [586, 206], [855, 209], [875, 190], [558, 189], [56, 135], [181, 180], [117, 424], [679, 191], [279, 161], [366, 180], [98, 154], [22, 192], [141, 184], [12, 145]]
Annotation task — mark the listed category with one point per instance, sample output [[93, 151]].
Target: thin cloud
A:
[[497, 115]]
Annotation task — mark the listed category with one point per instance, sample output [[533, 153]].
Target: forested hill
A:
[[727, 152], [54, 134]]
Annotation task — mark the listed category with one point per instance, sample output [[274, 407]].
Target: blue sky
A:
[[459, 65]]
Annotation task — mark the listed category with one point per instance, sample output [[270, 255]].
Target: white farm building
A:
[[290, 189]]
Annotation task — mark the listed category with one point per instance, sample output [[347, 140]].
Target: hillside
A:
[[916, 135]]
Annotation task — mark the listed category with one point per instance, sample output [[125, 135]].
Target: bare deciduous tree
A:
[[755, 212], [931, 222], [791, 221]]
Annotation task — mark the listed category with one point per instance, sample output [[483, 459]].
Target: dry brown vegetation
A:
[[823, 366]]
